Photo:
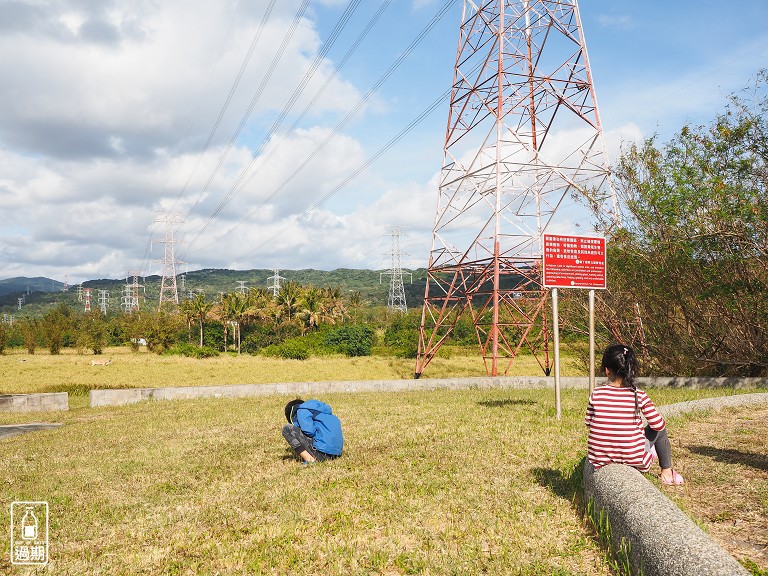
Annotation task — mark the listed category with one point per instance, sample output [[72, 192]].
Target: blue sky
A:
[[107, 106]]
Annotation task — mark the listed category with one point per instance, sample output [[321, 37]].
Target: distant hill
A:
[[373, 287], [23, 285]]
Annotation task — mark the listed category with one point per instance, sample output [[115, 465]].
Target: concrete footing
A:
[[44, 402]]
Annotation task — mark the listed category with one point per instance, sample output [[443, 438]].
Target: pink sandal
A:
[[676, 480]]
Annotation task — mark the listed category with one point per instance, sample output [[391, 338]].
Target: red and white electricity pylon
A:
[[523, 155]]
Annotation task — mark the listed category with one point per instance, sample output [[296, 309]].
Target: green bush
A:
[[192, 351], [292, 349], [356, 340]]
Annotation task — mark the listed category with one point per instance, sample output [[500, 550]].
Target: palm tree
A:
[[239, 308], [226, 314], [312, 311], [288, 298], [200, 307]]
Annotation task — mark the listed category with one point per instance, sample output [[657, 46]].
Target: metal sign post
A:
[[556, 339], [573, 262]]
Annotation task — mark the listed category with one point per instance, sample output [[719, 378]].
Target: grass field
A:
[[431, 482], [73, 373]]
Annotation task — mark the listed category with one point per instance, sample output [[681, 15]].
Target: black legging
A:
[[661, 441], [301, 442]]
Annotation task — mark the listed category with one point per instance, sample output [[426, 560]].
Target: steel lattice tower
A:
[[168, 288], [523, 144], [396, 299], [130, 301], [275, 286]]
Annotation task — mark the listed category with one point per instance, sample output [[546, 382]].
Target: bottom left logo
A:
[[29, 533]]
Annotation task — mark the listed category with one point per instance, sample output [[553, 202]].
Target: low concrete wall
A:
[[116, 397], [662, 541], [44, 402], [713, 403]]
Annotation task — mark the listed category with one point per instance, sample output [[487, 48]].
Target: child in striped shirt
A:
[[616, 432]]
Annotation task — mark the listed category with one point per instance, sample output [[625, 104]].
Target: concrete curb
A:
[[117, 397], [8, 430], [43, 402], [661, 539]]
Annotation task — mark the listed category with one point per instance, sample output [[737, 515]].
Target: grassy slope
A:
[[462, 482]]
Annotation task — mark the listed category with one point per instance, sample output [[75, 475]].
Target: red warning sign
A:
[[574, 262]]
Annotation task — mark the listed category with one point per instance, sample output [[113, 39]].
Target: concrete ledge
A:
[[713, 403], [44, 402], [8, 430], [115, 397], [662, 540]]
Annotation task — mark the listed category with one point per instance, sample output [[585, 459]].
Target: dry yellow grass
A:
[[73, 373], [723, 453], [430, 483]]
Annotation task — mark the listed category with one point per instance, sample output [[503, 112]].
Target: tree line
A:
[[688, 267]]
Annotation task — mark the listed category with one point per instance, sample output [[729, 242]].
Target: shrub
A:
[[293, 349], [192, 351], [356, 340]]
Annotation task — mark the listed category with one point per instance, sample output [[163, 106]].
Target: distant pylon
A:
[[275, 285], [130, 301], [168, 289], [103, 301], [79, 292], [396, 300], [87, 296], [523, 155], [241, 286]]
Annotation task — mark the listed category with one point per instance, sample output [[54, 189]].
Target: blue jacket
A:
[[317, 421]]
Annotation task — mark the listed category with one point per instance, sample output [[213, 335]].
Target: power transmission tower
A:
[[130, 300], [396, 300], [523, 155], [103, 301], [168, 289], [275, 285], [241, 286], [87, 296], [79, 292]]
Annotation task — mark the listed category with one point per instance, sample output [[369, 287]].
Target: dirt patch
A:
[[724, 458]]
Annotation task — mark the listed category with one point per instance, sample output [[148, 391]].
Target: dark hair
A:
[[622, 362], [290, 408]]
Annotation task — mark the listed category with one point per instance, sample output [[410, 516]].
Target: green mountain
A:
[[22, 285], [372, 285]]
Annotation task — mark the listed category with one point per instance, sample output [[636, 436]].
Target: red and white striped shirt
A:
[[616, 433]]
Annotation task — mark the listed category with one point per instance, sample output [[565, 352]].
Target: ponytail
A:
[[621, 361]]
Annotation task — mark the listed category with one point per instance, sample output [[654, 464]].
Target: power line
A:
[[241, 180], [286, 108], [400, 135], [419, 38], [225, 106], [259, 91]]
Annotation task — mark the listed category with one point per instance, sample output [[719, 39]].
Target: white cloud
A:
[[618, 21]]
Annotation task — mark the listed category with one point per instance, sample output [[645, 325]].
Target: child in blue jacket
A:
[[313, 430]]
